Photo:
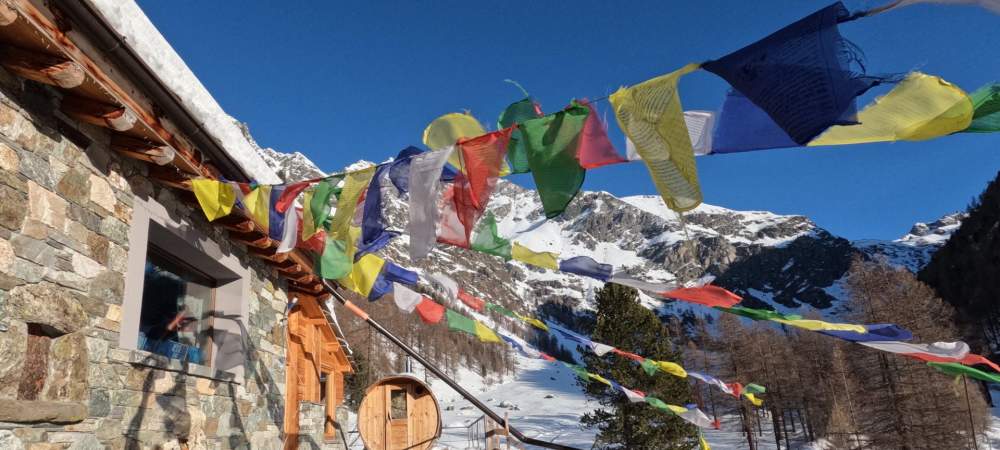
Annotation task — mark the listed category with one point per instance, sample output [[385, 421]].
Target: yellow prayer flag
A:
[[677, 409], [596, 377], [363, 274], [215, 197], [485, 334], [354, 184], [651, 116], [819, 325], [524, 254], [920, 107], [446, 130], [258, 204], [672, 368], [753, 399], [534, 322], [702, 442]]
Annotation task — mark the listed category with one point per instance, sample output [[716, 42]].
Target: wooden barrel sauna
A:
[[399, 412]]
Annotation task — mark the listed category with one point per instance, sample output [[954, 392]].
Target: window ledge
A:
[[149, 359]]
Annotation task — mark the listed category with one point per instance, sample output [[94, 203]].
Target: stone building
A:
[[127, 320]]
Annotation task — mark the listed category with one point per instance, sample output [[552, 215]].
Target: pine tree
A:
[[624, 323], [356, 383]]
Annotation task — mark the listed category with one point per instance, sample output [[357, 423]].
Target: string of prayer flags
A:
[[405, 298], [518, 112], [651, 116], [215, 197], [486, 239], [316, 205], [399, 168], [743, 126], [708, 295], [477, 304], [551, 143], [430, 312], [586, 266], [732, 389], [876, 332], [920, 107], [547, 260], [594, 148], [424, 185], [482, 158], [800, 74], [960, 370], [355, 184], [986, 117], [262, 206]]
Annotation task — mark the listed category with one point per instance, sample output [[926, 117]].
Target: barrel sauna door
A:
[[397, 424]]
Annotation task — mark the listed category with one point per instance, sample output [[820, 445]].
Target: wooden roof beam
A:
[[118, 118], [41, 67]]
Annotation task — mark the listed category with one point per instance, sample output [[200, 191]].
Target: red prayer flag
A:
[[316, 243], [482, 157], [429, 311], [546, 357], [628, 355], [471, 301], [594, 148], [973, 359], [288, 195], [707, 295]]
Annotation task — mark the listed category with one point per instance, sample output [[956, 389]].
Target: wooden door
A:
[[398, 406]]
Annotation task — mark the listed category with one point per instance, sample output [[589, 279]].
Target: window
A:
[[397, 404], [177, 308]]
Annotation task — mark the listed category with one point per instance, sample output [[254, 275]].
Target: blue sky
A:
[[342, 81]]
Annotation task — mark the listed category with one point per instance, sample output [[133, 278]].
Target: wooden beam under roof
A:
[[41, 67], [118, 118]]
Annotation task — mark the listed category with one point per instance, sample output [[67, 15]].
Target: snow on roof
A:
[[128, 20]]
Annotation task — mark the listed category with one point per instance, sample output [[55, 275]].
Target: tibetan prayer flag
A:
[[700, 125], [934, 352], [288, 194], [702, 443], [449, 129], [215, 197], [445, 286], [355, 184], [363, 274], [258, 205], [315, 244], [586, 266], [920, 107], [650, 366], [458, 322], [429, 311], [289, 231], [708, 379], [650, 114], [632, 396], [471, 301], [399, 168], [672, 368], [632, 356], [753, 399], [693, 416], [960, 370], [334, 263], [758, 314], [658, 404], [819, 325], [397, 274], [485, 334], [372, 223], [594, 149], [800, 75], [425, 185], [707, 295], [986, 101], [482, 157], [743, 126], [518, 112], [316, 206], [534, 322], [450, 227], [405, 298], [876, 332], [501, 310], [598, 378], [486, 239], [546, 260], [380, 287], [754, 388], [972, 359]]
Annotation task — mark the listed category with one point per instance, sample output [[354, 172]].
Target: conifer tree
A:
[[621, 321]]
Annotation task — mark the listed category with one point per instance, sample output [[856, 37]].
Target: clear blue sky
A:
[[342, 81]]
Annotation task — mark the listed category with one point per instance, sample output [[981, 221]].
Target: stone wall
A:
[[65, 213]]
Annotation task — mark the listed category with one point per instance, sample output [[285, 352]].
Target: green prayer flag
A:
[[758, 314], [650, 366], [458, 322], [551, 142], [486, 239], [580, 371], [986, 115], [959, 369], [518, 112], [334, 263], [657, 403], [500, 309], [319, 205], [754, 388]]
